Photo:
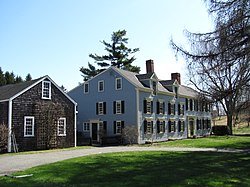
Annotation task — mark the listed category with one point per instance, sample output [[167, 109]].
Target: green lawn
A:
[[141, 169], [237, 142]]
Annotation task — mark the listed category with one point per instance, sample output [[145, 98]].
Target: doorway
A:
[[94, 132]]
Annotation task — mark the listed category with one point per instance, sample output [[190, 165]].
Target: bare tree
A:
[[130, 134], [219, 61], [3, 137]]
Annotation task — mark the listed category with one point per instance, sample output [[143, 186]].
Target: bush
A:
[[220, 130]]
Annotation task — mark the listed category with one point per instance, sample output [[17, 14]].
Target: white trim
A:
[[37, 82], [86, 124], [101, 81], [49, 84], [33, 126], [116, 125], [64, 126], [84, 90], [9, 125], [119, 102], [75, 128], [116, 79], [138, 116]]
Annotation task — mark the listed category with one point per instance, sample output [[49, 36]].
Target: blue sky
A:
[[55, 37]]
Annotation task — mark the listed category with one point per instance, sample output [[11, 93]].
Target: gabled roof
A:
[[145, 76], [11, 91], [165, 86], [136, 79]]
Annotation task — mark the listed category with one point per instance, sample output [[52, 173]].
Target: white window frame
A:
[[46, 90], [99, 87], [116, 83], [148, 107], [118, 107], [84, 88], [86, 126], [64, 127], [100, 108], [32, 118], [149, 127], [118, 127], [161, 107]]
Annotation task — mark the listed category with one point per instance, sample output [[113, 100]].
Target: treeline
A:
[[11, 78]]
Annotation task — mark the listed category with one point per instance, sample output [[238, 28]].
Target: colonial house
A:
[[38, 115], [159, 110]]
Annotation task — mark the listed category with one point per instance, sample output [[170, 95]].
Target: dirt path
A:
[[19, 162]]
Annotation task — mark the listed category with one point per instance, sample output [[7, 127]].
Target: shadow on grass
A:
[[142, 169]]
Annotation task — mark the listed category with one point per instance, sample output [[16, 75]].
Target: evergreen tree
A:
[[18, 79], [9, 77], [2, 78], [119, 55], [28, 77]]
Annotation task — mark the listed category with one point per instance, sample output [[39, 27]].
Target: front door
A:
[[94, 132], [191, 128]]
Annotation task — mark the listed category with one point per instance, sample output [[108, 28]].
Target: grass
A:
[[240, 128], [141, 169], [227, 142], [49, 150]]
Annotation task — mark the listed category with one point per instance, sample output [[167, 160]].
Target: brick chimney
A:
[[176, 76], [150, 66]]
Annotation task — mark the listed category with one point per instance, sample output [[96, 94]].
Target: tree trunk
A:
[[230, 123]]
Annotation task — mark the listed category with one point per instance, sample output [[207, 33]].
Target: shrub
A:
[[220, 130]]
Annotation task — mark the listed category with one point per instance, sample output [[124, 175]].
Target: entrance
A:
[[191, 129], [94, 132]]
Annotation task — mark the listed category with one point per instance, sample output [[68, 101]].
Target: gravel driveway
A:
[[19, 162]]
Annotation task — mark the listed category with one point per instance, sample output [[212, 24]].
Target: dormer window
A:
[[176, 91], [154, 87], [46, 90]]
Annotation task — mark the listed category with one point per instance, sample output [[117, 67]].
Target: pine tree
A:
[[119, 55]]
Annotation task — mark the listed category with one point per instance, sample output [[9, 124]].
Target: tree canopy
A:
[[219, 61], [11, 78], [119, 55]]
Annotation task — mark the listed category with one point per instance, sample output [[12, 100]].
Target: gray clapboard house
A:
[[159, 110]]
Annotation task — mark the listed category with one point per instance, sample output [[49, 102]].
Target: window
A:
[[29, 122], [118, 107], [100, 86], [171, 126], [160, 126], [176, 91], [148, 106], [86, 126], [191, 105], [171, 109], [86, 88], [187, 105], [46, 90], [61, 124], [154, 87], [181, 126], [181, 109], [101, 108], [118, 126], [198, 124], [103, 128], [118, 83], [148, 127], [160, 107]]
